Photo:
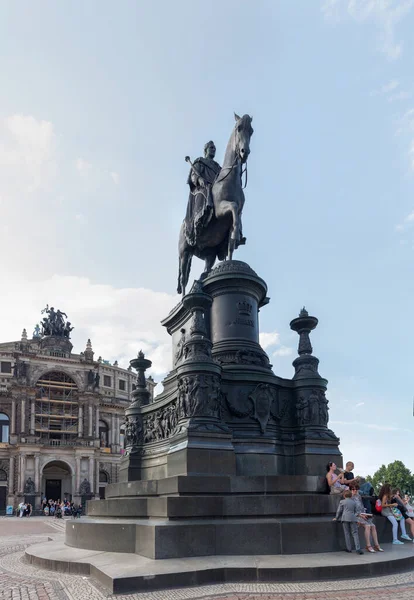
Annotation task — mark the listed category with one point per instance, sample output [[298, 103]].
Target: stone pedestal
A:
[[230, 458]]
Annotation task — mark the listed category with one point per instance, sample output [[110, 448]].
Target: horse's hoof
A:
[[242, 241]]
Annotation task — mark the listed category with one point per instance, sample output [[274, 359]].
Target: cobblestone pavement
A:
[[20, 580]]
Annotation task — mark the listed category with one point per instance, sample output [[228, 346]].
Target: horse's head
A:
[[243, 132]]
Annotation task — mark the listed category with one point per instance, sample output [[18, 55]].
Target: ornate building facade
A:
[[62, 417]]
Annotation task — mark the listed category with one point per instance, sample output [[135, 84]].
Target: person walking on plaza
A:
[[348, 514]]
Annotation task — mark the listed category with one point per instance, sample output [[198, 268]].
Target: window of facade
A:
[[3, 475], [122, 438], [6, 367], [107, 380], [4, 428], [122, 385]]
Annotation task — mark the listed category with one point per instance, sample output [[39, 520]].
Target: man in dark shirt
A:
[[348, 474]]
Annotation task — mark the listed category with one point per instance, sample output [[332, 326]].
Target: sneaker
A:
[[360, 552], [397, 542], [406, 537]]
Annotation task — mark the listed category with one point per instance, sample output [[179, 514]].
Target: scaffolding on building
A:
[[56, 407]]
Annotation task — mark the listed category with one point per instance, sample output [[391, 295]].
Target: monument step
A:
[[224, 484], [125, 573], [160, 538], [190, 507]]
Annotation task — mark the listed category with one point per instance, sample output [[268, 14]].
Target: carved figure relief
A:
[[21, 370], [179, 354], [133, 431], [85, 488], [312, 409], [302, 411], [199, 395], [323, 409], [262, 404], [29, 486]]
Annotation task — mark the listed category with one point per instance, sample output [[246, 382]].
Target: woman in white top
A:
[[335, 482]]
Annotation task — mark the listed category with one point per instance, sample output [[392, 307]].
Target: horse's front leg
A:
[[234, 232]]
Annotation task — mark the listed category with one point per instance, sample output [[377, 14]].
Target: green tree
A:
[[396, 474]]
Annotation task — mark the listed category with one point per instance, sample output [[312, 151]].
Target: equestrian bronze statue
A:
[[212, 227]]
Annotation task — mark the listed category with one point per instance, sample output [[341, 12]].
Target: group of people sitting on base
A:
[[360, 504]]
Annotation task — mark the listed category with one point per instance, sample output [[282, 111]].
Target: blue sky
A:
[[102, 101]]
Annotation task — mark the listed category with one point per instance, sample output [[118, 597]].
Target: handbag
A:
[[396, 513]]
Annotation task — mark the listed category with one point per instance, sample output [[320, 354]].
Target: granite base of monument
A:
[[229, 459], [124, 573]]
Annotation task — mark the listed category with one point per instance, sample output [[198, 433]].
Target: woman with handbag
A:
[[365, 520], [391, 511]]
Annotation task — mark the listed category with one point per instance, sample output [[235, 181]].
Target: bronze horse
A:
[[224, 232]]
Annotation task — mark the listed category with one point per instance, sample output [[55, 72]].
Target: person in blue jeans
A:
[[385, 495]]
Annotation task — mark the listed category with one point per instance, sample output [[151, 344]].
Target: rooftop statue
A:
[[212, 227], [54, 323]]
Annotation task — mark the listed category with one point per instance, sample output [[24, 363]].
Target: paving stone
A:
[[20, 580]]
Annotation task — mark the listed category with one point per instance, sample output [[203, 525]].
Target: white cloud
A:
[[267, 340], [409, 219], [399, 96], [383, 14], [386, 88], [27, 154], [114, 176], [359, 404], [389, 87], [283, 351], [83, 166], [119, 321]]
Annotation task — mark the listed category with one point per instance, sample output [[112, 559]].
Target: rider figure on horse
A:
[[200, 207]]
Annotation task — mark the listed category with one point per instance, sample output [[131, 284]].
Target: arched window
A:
[[4, 428], [103, 434], [103, 477]]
